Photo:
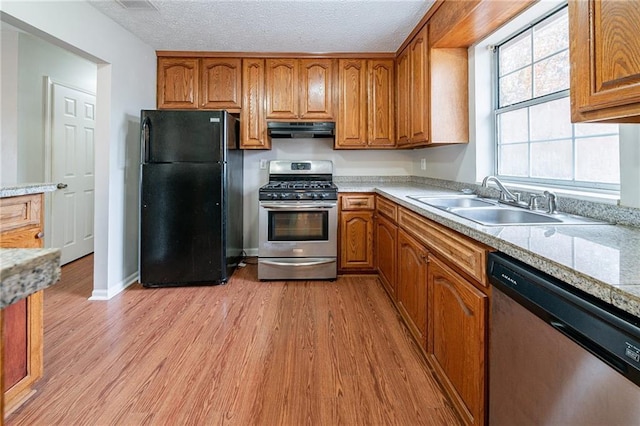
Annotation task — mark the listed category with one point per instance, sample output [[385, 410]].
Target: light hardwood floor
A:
[[245, 353]]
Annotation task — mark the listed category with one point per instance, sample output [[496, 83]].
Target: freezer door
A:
[[183, 136], [182, 235]]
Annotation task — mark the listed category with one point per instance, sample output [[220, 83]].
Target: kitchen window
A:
[[535, 139]]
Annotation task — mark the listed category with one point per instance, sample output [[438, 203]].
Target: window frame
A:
[[581, 185]]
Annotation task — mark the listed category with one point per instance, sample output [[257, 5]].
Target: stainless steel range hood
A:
[[283, 130]]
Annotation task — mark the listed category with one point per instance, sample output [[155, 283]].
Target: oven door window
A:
[[298, 226]]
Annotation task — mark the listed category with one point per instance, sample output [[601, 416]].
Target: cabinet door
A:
[[282, 88], [178, 83], [356, 240], [403, 98], [381, 120], [458, 334], [221, 83], [412, 286], [386, 239], [316, 88], [21, 227], [605, 60], [419, 89], [252, 123], [351, 126]]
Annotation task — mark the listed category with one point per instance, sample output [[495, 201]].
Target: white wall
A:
[[8, 105], [345, 163], [126, 83], [37, 59]]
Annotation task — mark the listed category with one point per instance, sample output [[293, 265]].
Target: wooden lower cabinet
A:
[[436, 279], [412, 286], [356, 232], [22, 363], [385, 242], [457, 334]]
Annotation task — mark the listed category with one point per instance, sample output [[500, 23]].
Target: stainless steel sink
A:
[[506, 216], [489, 212], [446, 203]]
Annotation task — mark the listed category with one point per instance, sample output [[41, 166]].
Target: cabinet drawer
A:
[[387, 208], [469, 257], [357, 202], [21, 211]]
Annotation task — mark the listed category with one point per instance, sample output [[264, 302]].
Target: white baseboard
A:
[[108, 294], [252, 252]]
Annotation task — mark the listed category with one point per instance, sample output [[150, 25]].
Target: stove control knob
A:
[[283, 195], [298, 196], [272, 196], [323, 196], [314, 196]]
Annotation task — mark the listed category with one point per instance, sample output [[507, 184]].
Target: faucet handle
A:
[[552, 207], [533, 201]]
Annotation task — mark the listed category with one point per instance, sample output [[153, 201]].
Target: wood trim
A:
[[275, 55], [463, 23], [432, 10]]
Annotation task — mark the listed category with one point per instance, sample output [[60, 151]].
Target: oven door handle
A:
[[298, 265], [298, 206]]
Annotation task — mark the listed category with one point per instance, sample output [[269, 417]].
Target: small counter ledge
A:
[[26, 189], [26, 271]]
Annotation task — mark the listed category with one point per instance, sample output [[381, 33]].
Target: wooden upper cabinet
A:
[[221, 83], [178, 83], [282, 88], [605, 60], [366, 107], [252, 121], [419, 88], [381, 111], [316, 88], [351, 126], [403, 98]]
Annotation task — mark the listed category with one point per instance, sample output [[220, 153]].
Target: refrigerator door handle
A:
[[144, 140]]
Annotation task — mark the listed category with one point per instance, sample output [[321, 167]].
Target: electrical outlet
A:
[[423, 164], [263, 164]]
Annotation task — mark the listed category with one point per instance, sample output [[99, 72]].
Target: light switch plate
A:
[[423, 164], [263, 164]]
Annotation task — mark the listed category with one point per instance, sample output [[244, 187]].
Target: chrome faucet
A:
[[505, 194]]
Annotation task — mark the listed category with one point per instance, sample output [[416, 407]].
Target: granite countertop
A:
[[26, 271], [601, 260], [26, 188]]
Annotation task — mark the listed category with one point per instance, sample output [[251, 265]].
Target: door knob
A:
[[62, 185]]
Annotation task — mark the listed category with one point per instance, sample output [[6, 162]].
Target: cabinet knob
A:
[[40, 235], [62, 185]]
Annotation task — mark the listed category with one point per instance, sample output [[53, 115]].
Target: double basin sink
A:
[[490, 212]]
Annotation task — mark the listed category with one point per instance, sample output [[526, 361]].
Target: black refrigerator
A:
[[190, 198]]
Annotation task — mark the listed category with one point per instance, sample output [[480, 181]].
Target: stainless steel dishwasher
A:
[[558, 356]]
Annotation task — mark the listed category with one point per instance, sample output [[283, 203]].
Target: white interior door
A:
[[72, 168]]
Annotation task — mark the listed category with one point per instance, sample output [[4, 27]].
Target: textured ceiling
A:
[[307, 26]]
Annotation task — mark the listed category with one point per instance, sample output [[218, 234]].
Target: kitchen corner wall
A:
[[126, 83], [345, 163]]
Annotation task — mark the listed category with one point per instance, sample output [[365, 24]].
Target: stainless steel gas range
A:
[[298, 222]]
